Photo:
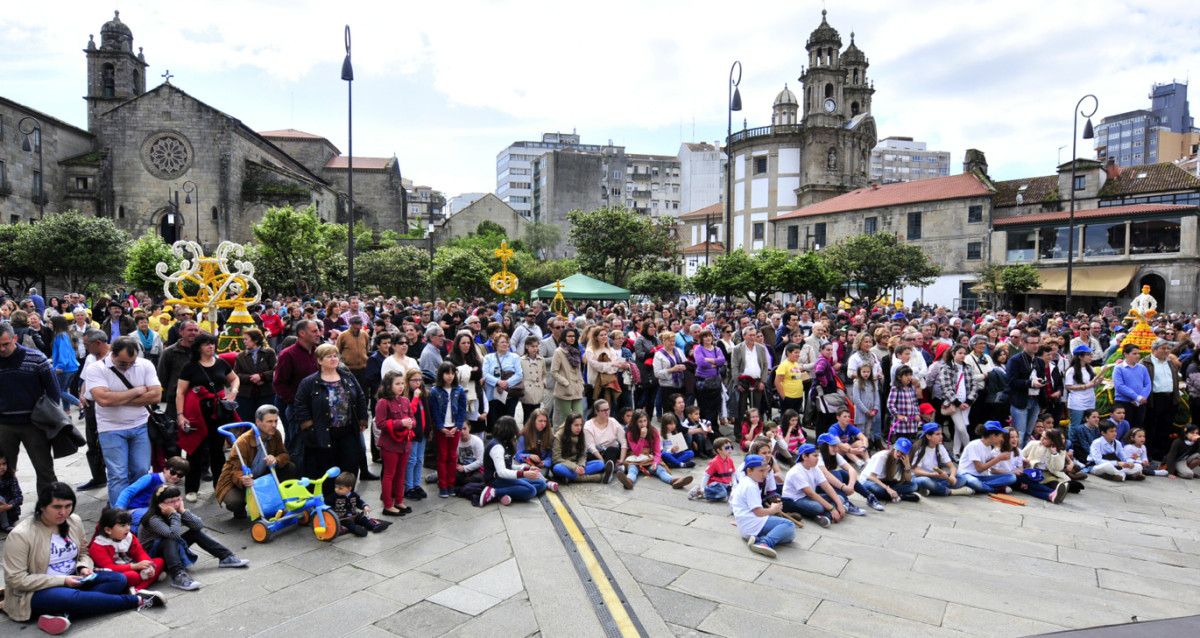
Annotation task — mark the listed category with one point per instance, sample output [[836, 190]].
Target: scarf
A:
[[147, 339], [676, 377], [574, 356], [120, 549]]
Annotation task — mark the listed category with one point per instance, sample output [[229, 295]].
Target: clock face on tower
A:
[[830, 105]]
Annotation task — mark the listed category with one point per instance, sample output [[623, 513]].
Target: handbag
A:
[[515, 393], [63, 436], [160, 426], [711, 383]]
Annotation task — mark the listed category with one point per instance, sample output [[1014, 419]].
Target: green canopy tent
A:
[[580, 286]]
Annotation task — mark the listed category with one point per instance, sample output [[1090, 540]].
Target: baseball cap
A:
[[903, 445], [828, 439], [755, 460], [807, 448], [1081, 349], [925, 408], [930, 428], [993, 426]]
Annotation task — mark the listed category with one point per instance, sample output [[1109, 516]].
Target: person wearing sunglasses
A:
[[136, 497]]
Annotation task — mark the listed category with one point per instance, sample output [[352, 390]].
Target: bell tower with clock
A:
[[839, 131]]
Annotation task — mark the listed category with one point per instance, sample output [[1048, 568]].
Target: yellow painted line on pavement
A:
[[616, 607]]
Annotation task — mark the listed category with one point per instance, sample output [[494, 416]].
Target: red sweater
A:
[[293, 364], [105, 555], [393, 437], [720, 470]]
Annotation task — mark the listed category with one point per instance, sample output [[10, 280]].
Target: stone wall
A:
[[378, 197], [489, 208], [59, 141]]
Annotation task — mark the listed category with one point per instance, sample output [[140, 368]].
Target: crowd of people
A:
[[499, 402]]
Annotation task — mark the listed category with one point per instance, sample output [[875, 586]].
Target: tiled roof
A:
[[925, 190], [1036, 190], [716, 210], [699, 146], [1150, 178], [360, 163], [1093, 213], [714, 247], [290, 134]]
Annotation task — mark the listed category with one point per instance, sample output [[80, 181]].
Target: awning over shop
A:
[[1089, 281]]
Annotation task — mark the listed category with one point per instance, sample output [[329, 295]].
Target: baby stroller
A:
[[276, 506]]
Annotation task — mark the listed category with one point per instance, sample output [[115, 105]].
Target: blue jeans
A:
[[1034, 489], [1076, 417], [108, 592], [566, 475], [661, 472], [1023, 419], [988, 484], [716, 492], [938, 487], [64, 382], [416, 457], [677, 460], [126, 458], [777, 531], [901, 487], [859, 488], [520, 489], [803, 506]]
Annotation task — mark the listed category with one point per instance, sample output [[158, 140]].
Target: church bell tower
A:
[[114, 72]]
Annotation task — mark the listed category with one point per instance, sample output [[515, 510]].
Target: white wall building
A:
[[459, 202], [701, 166]]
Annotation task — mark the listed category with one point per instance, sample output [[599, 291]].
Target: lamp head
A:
[[25, 145], [1088, 132], [187, 199], [736, 103]]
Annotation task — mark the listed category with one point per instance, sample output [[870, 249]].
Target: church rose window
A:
[[167, 155]]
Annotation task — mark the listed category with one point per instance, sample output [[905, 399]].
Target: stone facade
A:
[[487, 208], [69, 168]]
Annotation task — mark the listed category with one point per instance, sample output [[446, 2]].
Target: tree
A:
[[143, 258], [79, 249], [294, 250], [760, 276], [873, 264], [658, 284], [541, 237], [488, 227], [614, 243], [1010, 281], [808, 273], [18, 271], [540, 272], [399, 271], [460, 272], [728, 275]]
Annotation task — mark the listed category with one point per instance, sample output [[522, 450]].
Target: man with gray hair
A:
[[95, 343], [431, 354], [25, 375]]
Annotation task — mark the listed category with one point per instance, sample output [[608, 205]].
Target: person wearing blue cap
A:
[[888, 475], [1081, 381], [843, 476], [800, 490], [933, 471], [975, 464], [759, 523]]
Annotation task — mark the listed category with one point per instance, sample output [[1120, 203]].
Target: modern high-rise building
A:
[[901, 159], [514, 167], [1163, 133], [701, 168]]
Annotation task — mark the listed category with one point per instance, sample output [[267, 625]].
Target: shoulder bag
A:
[[160, 426]]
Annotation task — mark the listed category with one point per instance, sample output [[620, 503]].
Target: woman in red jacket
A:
[[114, 548], [394, 418]]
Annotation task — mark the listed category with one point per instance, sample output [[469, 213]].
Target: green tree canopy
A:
[[18, 271], [460, 272], [79, 249], [657, 284], [872, 264], [144, 255], [541, 237], [760, 276], [540, 272], [400, 271], [614, 243], [296, 251]]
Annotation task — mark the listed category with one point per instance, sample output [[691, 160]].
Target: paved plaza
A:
[[941, 567]]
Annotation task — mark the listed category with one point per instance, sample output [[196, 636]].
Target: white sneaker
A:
[[191, 497]]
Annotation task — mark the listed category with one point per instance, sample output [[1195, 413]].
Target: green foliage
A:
[[758, 277], [876, 263], [540, 272], [614, 243], [657, 284], [387, 239], [808, 273], [1009, 281], [79, 249], [541, 237], [460, 272], [296, 253], [144, 255], [400, 271], [17, 269], [488, 227]]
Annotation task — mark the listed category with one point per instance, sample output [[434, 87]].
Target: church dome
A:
[[115, 34], [853, 54], [824, 34], [786, 97]]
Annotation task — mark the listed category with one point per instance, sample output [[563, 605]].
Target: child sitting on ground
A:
[[1135, 451], [718, 476], [700, 431], [779, 444], [136, 497], [763, 526], [168, 530], [793, 432], [645, 455], [1107, 457], [675, 452], [802, 489], [751, 427], [353, 513], [117, 549], [11, 497], [853, 443]]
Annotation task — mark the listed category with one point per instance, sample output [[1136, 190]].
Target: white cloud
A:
[[1001, 77]]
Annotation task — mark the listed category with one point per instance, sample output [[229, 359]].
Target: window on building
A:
[[3, 173], [120, 212], [1021, 246], [1104, 239], [1154, 236], [793, 237], [1052, 242], [760, 230], [914, 225], [215, 214], [81, 183], [974, 250], [974, 214], [871, 225], [819, 234], [760, 165], [37, 184], [1080, 182], [108, 80]]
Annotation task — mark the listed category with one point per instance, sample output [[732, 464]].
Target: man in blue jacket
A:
[[25, 375], [1023, 387]]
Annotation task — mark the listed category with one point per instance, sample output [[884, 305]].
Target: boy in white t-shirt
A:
[[980, 456], [761, 525], [802, 486]]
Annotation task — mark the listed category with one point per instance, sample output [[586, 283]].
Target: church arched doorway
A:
[[168, 227], [1158, 288]]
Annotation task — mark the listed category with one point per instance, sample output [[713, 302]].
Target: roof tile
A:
[[1092, 213], [701, 213], [926, 190], [360, 163]]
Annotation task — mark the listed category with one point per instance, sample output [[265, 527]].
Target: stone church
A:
[[165, 161], [818, 145]]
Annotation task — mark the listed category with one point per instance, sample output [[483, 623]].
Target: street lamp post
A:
[[35, 127], [432, 288], [348, 76], [734, 104], [1087, 135], [190, 187]]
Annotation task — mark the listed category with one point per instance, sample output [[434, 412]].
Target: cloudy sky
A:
[[446, 85]]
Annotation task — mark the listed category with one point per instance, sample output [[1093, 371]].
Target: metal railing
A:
[[765, 131]]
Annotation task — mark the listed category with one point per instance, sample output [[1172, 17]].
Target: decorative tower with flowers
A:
[[209, 284]]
